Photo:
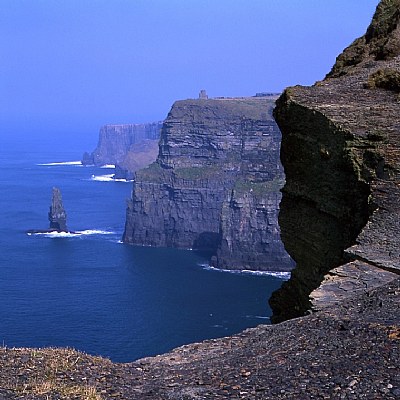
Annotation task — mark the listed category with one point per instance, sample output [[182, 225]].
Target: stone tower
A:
[[203, 94]]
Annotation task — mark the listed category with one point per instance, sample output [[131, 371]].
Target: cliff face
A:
[[215, 184], [250, 235], [340, 152], [127, 146]]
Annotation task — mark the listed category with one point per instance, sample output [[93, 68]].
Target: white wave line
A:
[[103, 178], [61, 163], [278, 274], [86, 232]]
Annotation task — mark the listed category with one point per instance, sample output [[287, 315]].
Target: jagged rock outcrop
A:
[[215, 184], [341, 154], [127, 146], [57, 214]]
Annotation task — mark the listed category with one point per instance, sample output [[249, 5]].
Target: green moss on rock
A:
[[194, 173], [153, 173], [385, 19], [385, 78], [259, 189], [381, 41]]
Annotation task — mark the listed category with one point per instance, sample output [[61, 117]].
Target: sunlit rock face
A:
[[215, 185], [340, 152]]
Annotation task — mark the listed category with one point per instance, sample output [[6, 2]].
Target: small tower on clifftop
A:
[[57, 214], [203, 95]]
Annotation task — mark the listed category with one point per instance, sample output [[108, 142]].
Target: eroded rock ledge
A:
[[341, 155]]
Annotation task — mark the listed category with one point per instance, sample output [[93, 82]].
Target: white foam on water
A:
[[257, 317], [86, 232], [95, 232], [123, 180], [110, 166], [276, 274], [103, 178], [54, 234], [108, 178], [61, 163]]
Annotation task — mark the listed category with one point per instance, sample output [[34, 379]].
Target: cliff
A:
[[340, 151], [339, 217], [127, 146], [215, 185]]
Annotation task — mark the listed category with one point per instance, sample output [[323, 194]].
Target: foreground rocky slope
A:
[[340, 151], [127, 146], [349, 351], [215, 185]]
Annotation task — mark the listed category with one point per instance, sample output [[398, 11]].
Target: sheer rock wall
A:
[[341, 155], [218, 166]]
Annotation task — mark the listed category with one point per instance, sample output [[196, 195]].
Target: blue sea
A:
[[88, 290]]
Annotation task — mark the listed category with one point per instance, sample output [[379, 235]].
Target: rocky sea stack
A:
[[215, 185], [57, 214]]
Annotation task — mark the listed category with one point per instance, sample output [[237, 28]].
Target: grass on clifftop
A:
[[260, 188], [152, 173], [48, 373], [194, 173]]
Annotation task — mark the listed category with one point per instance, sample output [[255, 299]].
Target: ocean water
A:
[[88, 290]]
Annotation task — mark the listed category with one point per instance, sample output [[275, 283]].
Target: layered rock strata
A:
[[127, 146], [215, 185], [341, 155]]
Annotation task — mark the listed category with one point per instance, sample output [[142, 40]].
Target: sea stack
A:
[[57, 214]]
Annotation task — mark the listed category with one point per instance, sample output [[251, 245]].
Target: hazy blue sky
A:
[[73, 65]]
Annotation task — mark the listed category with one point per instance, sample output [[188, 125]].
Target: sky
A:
[[70, 66]]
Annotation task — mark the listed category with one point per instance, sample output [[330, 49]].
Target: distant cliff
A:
[[340, 212], [215, 184], [127, 146]]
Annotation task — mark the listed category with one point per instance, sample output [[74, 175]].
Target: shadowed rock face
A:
[[57, 214], [215, 185], [340, 151]]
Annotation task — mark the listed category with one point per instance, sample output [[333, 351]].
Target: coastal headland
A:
[[340, 221]]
